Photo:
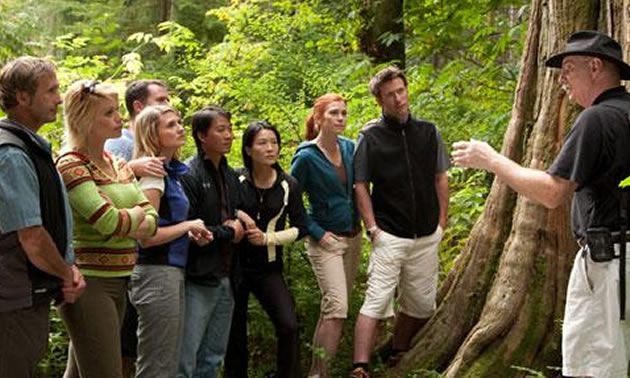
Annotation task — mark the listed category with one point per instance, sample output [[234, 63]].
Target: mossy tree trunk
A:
[[503, 303]]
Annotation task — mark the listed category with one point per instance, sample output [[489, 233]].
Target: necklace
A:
[[261, 197], [261, 185]]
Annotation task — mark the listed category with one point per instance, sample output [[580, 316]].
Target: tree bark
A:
[[164, 11], [381, 17], [502, 305]]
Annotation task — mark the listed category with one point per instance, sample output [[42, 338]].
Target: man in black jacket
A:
[[35, 218], [405, 215], [212, 189]]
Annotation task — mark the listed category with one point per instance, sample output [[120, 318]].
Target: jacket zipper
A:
[[413, 190]]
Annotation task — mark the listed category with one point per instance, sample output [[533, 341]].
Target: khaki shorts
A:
[[335, 268], [409, 264], [594, 339]]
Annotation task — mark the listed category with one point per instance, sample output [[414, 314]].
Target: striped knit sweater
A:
[[101, 220]]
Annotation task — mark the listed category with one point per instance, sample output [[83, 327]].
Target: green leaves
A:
[[132, 63], [70, 42]]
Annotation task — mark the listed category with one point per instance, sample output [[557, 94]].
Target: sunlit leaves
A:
[[70, 42], [132, 63], [140, 38]]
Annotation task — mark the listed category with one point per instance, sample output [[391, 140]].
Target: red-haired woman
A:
[[323, 166]]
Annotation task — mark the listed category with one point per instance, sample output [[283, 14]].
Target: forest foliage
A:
[[270, 59]]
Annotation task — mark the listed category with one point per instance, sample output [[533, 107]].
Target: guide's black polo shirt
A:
[[596, 155]]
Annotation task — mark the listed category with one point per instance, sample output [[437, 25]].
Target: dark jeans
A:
[[273, 294], [23, 340]]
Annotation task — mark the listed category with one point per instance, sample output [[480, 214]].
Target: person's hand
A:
[[196, 226], [201, 239], [245, 218], [198, 232], [255, 236], [137, 213], [74, 286], [473, 154], [143, 229], [148, 166], [328, 240], [373, 232], [238, 229]]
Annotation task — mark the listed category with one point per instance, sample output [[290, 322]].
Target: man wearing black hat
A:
[[593, 160]]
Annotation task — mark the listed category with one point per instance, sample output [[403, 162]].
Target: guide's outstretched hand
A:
[[473, 154]]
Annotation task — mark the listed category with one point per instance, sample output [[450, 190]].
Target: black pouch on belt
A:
[[600, 244]]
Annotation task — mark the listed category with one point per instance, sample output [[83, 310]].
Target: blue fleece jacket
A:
[[331, 206]]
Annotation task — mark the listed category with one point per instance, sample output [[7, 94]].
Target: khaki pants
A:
[[94, 323], [335, 268]]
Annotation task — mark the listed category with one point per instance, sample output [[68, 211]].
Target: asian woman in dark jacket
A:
[[268, 197]]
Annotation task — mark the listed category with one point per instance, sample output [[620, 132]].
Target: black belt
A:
[[615, 237], [348, 234]]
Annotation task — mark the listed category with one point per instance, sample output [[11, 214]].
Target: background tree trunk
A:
[[503, 303], [382, 33]]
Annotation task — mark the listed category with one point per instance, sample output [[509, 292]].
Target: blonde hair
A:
[[147, 122], [79, 109]]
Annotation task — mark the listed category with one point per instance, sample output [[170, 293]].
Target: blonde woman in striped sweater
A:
[[110, 213]]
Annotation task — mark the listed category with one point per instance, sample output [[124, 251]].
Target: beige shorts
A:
[[409, 264], [594, 339], [335, 268]]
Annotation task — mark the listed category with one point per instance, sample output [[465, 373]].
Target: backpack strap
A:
[[9, 138]]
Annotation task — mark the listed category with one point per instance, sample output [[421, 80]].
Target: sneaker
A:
[[359, 373]]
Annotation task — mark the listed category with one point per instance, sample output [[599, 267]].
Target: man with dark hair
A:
[[404, 215], [593, 160], [35, 222], [139, 94], [212, 189]]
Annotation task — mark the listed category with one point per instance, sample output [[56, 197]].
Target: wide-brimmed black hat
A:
[[592, 43]]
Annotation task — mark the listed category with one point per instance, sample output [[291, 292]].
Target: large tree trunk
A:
[[503, 303], [382, 32]]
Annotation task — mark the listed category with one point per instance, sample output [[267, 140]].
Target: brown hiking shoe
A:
[[359, 373]]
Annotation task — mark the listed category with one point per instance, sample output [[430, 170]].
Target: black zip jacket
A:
[[203, 186], [402, 160], [263, 206]]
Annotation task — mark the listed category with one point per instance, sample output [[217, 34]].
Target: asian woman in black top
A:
[[268, 197]]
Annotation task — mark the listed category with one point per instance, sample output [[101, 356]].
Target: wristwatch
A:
[[370, 231]]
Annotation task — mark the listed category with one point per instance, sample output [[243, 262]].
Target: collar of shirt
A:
[[395, 123], [176, 168], [610, 93]]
